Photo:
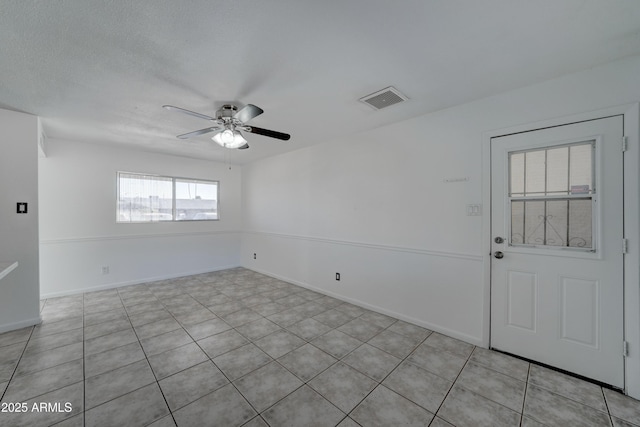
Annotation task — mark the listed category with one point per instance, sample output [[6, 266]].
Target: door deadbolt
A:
[[498, 240], [498, 254]]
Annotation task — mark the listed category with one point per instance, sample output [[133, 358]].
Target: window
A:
[[151, 198], [551, 194], [196, 200]]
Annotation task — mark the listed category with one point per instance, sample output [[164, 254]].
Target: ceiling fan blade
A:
[[191, 113], [198, 132], [244, 147], [269, 133], [248, 112]]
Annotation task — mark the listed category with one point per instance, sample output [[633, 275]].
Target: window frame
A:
[[593, 195], [173, 179]]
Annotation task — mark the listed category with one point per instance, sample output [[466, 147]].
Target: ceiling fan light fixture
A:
[[227, 122], [229, 139], [226, 136]]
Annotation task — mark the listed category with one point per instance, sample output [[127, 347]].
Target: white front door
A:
[[557, 247]]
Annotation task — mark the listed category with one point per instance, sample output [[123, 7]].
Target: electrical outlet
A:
[[105, 269], [338, 277], [254, 255]]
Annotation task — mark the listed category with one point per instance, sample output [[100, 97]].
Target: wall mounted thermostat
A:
[[22, 208]]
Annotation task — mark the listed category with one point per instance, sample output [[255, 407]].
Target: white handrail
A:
[[7, 267]]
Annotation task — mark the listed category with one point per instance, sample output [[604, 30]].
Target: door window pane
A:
[[558, 170], [534, 222], [581, 169], [517, 222], [516, 166], [551, 196], [535, 173], [580, 224], [552, 171], [554, 222]]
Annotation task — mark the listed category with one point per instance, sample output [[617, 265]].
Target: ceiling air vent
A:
[[384, 98]]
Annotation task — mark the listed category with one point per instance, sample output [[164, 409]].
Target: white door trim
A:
[[631, 115]]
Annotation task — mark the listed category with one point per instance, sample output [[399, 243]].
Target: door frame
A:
[[631, 211]]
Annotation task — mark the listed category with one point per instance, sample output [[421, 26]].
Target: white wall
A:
[[79, 233], [19, 233], [375, 207]]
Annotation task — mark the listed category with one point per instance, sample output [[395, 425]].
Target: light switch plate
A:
[[474, 210]]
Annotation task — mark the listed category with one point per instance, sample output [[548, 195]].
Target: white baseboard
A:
[[436, 328], [19, 325]]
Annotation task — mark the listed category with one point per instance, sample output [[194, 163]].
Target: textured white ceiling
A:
[[100, 70]]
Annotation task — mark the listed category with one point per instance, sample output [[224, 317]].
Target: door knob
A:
[[498, 254]]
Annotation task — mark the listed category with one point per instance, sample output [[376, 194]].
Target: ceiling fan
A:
[[229, 121]]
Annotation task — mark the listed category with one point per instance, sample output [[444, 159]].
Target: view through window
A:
[[151, 198], [551, 196]]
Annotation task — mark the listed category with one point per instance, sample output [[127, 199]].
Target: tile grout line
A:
[[240, 295], [493, 401], [390, 372], [286, 330], [524, 397], [251, 341], [146, 358], [453, 383], [211, 360], [276, 360], [123, 366], [606, 405], [230, 382], [15, 369], [28, 373], [555, 393], [303, 382], [129, 364], [224, 374]]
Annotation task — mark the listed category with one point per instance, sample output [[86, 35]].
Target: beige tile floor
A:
[[235, 347]]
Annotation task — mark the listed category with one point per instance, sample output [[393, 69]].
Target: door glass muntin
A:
[[551, 197]]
